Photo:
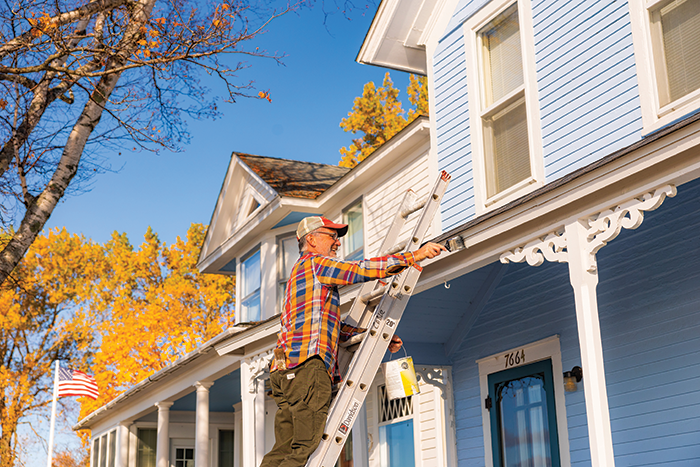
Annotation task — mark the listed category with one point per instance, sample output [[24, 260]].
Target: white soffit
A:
[[396, 38]]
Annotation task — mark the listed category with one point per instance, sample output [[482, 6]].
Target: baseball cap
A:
[[309, 224]]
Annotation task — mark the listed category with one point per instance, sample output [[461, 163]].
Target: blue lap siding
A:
[[587, 87], [649, 306]]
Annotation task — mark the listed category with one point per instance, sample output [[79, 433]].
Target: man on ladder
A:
[[306, 355]]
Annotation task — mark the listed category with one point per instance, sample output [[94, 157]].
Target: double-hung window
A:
[[354, 239], [506, 134], [666, 37], [250, 286], [287, 255]]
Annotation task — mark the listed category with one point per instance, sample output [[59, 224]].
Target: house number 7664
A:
[[515, 358]]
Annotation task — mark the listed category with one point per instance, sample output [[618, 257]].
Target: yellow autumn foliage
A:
[[116, 311], [378, 115]]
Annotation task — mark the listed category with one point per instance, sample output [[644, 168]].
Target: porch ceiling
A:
[[433, 316], [224, 393]]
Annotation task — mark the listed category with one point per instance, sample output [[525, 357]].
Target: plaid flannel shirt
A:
[[310, 320]]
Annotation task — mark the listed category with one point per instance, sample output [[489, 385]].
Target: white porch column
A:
[[201, 446], [260, 422], [163, 440], [577, 243], [123, 444], [247, 415], [253, 408], [584, 283]]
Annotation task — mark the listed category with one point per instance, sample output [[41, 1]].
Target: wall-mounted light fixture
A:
[[456, 243], [571, 378]]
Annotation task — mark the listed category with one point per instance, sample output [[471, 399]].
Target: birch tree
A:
[[78, 77]]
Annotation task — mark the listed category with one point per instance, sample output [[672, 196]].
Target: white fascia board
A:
[[673, 159], [391, 41], [164, 384], [203, 253], [380, 161], [269, 192], [240, 341], [232, 178]]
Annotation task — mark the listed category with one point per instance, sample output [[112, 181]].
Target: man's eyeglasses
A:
[[333, 235]]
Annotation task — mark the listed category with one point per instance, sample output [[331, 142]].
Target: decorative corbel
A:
[[606, 225], [434, 377], [601, 229], [551, 247], [258, 365]]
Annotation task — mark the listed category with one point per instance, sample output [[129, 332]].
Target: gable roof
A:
[[295, 179]]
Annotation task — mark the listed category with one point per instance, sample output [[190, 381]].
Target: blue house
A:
[[565, 333], [571, 131]]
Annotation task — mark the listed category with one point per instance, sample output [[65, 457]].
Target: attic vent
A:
[[253, 206], [390, 410]]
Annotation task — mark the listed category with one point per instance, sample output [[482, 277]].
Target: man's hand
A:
[[395, 344], [429, 250]]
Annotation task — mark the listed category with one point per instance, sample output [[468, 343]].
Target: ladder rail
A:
[[384, 320]]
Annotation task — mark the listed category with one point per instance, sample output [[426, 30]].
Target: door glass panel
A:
[[146, 455], [523, 414], [523, 417], [184, 457]]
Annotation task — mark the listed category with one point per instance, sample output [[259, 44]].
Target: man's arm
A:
[[336, 272]]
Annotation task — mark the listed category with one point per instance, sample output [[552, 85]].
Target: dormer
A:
[[252, 230]]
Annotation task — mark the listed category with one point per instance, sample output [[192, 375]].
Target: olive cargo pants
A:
[[303, 395]]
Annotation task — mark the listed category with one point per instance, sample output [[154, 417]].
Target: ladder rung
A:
[[356, 339], [395, 249], [366, 298], [411, 209]]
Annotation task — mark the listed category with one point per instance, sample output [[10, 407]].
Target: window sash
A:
[[506, 148], [502, 59], [675, 31], [505, 129], [250, 286], [288, 253], [354, 240]]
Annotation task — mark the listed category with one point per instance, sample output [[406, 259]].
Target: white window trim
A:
[[474, 77], [537, 351], [239, 284], [443, 406], [279, 258], [343, 221], [653, 115]]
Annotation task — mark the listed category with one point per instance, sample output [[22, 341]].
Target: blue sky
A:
[[310, 94]]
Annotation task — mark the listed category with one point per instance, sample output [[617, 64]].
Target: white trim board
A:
[[536, 351]]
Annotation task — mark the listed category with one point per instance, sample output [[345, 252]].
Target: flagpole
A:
[[53, 415]]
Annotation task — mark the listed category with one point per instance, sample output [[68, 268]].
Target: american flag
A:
[[76, 383]]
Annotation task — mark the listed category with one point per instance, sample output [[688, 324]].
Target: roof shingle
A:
[[295, 179]]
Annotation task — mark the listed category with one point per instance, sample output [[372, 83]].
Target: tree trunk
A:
[[38, 213]]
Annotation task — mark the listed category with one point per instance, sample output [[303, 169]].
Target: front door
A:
[[523, 417]]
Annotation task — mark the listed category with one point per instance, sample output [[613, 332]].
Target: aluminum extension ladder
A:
[[379, 306]]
